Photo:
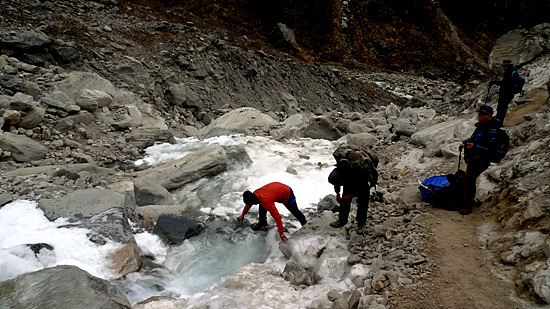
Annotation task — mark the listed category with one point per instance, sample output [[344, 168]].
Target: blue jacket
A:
[[484, 142]]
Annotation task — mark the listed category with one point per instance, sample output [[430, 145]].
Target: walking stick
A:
[[459, 159], [465, 187]]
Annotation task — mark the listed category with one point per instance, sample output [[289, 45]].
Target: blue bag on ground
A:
[[432, 186], [444, 191]]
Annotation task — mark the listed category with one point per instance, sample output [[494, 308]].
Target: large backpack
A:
[[444, 191], [494, 146], [519, 82], [500, 142], [367, 160]]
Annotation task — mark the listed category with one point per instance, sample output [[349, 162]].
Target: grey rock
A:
[[78, 289], [111, 224], [173, 230], [22, 148], [85, 204], [323, 127], [209, 161], [363, 139], [149, 192], [33, 117], [237, 121], [298, 275], [5, 197], [26, 40], [146, 137]]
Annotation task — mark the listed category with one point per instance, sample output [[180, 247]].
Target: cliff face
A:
[[441, 37]]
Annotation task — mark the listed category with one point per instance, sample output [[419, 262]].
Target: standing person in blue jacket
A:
[[507, 90], [477, 153]]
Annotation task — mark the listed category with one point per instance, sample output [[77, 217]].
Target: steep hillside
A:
[[445, 38]]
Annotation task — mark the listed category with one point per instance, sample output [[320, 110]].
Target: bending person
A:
[[266, 197], [355, 184]]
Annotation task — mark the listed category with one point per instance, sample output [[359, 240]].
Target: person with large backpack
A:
[[512, 82], [356, 173], [489, 143]]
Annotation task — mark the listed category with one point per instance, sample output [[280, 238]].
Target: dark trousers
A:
[[362, 209], [502, 107], [473, 170], [291, 205]]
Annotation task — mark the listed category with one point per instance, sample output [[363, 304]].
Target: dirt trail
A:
[[517, 112], [461, 275]]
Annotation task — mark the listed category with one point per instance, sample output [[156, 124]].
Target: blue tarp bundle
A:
[[431, 188]]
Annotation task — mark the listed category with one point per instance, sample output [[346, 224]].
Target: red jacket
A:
[[268, 195]]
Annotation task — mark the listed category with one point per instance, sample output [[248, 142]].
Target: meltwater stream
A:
[[203, 261]]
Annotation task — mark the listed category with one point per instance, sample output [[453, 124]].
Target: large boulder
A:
[[362, 139], [61, 287], [148, 191], [75, 82], [104, 212], [181, 95], [146, 137], [84, 204], [173, 230], [518, 45], [324, 127], [26, 40], [22, 148], [33, 117], [435, 138], [237, 121], [210, 160]]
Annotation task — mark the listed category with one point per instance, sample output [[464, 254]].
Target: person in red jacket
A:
[[266, 197]]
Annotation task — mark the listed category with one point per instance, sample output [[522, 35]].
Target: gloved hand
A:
[[283, 237], [338, 198], [348, 197]]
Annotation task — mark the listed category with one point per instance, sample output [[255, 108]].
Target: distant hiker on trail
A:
[[487, 144], [266, 197], [356, 172], [512, 82]]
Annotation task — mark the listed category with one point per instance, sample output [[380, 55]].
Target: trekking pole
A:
[[459, 158], [465, 187]]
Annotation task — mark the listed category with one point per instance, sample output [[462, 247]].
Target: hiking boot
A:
[[361, 230], [260, 226], [337, 224]]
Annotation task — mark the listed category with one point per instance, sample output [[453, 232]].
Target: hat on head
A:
[[485, 109], [506, 62], [250, 198]]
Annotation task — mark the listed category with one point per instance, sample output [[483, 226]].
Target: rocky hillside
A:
[[445, 38]]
